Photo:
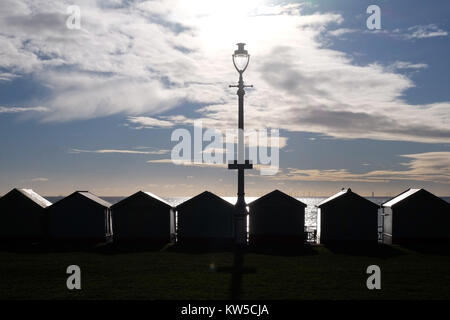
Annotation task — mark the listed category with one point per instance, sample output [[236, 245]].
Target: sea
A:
[[310, 211]]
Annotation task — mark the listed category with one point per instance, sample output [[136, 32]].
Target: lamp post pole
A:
[[240, 215]]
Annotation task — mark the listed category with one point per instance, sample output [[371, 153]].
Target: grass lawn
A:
[[318, 273]]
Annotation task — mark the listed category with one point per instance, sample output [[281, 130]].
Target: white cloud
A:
[[208, 123], [425, 31], [39, 180], [430, 166], [148, 122], [120, 151], [342, 31], [408, 65], [188, 163], [142, 59], [22, 109], [7, 76]]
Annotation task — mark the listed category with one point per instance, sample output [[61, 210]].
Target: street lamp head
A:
[[241, 58]]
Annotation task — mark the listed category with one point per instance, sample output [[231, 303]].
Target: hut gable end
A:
[[346, 195], [278, 197], [204, 196], [29, 195], [144, 197], [409, 195]]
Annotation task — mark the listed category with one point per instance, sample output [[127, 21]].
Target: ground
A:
[[315, 273]]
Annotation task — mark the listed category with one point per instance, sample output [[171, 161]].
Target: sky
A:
[[94, 108]]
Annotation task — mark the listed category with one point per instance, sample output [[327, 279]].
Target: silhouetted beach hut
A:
[[416, 215], [143, 216], [205, 218], [22, 215], [276, 217], [346, 216], [81, 216]]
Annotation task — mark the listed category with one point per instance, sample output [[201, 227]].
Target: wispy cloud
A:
[[149, 122], [414, 32], [120, 151], [342, 31], [425, 31], [430, 166], [22, 109], [407, 65], [221, 127], [189, 163], [39, 180], [7, 76]]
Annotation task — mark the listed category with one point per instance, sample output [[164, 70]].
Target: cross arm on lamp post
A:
[[235, 165], [237, 86]]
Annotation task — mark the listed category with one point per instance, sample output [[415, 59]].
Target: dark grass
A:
[[172, 273]]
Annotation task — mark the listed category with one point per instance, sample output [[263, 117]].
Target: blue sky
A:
[[89, 108]]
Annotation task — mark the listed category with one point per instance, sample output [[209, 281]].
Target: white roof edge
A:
[[94, 198], [337, 195], [32, 195], [400, 197], [157, 198], [272, 192]]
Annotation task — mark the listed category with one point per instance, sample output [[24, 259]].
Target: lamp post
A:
[[241, 59]]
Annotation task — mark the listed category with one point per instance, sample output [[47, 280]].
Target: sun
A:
[[221, 23]]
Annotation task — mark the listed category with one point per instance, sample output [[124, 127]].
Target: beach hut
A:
[[81, 216], [416, 215], [143, 216], [205, 218], [22, 215], [276, 218], [346, 216]]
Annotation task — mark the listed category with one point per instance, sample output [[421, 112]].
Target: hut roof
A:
[[343, 193], [277, 194], [405, 195], [202, 196], [89, 196], [402, 196], [33, 196], [148, 195]]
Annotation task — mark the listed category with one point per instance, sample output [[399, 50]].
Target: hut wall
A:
[[348, 220], [21, 218], [75, 219], [277, 220], [141, 218], [387, 225], [205, 218], [319, 224], [421, 218]]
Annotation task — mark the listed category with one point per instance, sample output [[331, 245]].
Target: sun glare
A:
[[221, 23]]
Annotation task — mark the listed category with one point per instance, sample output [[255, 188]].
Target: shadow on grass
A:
[[428, 248], [76, 246], [369, 250], [143, 246], [23, 247], [285, 250], [54, 247], [237, 270], [133, 247], [201, 248]]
